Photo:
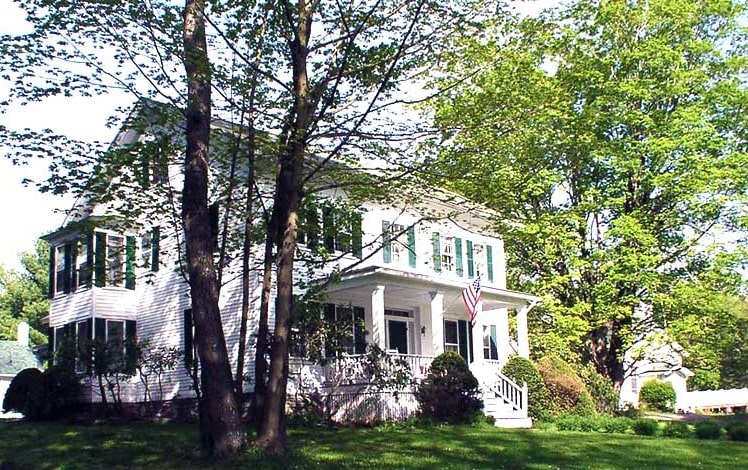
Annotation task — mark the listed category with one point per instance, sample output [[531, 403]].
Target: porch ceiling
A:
[[406, 290]]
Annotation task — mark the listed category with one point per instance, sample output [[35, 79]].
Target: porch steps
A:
[[504, 414]]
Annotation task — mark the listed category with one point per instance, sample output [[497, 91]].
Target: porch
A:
[[416, 317]]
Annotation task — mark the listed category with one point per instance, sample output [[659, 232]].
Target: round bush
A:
[[677, 429], [566, 390], [645, 427], [737, 431], [657, 395], [450, 391], [615, 425], [522, 370], [22, 385], [708, 430]]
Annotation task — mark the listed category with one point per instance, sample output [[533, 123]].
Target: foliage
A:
[[645, 427], [450, 391], [600, 388], [657, 395], [566, 390], [628, 410], [20, 388], [522, 370], [600, 423], [708, 430], [737, 431], [152, 363], [677, 429], [44, 396], [23, 295], [608, 137]]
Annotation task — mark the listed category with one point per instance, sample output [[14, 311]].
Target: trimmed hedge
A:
[[522, 370], [567, 392]]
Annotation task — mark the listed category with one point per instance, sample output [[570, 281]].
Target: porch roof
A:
[[414, 288]]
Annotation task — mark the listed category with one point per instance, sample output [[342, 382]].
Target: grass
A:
[[172, 446]]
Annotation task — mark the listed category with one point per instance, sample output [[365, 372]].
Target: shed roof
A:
[[15, 357]]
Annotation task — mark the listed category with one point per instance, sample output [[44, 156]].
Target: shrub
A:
[[567, 393], [677, 429], [600, 388], [522, 370], [56, 397], [629, 411], [737, 431], [645, 427], [450, 391], [708, 430], [615, 425], [569, 422], [657, 395], [22, 385]]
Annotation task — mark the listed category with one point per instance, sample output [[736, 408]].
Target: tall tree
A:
[[221, 429], [609, 136]]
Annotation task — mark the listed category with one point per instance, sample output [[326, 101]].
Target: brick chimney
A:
[[22, 336]]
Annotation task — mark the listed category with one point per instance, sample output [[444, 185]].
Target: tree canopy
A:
[[610, 138]]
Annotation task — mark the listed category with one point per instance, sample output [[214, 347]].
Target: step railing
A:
[[506, 389]]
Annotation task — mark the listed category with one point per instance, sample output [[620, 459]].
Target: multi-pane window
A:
[[61, 268], [490, 349], [115, 341], [337, 228], [83, 263], [399, 246], [479, 258], [451, 336], [447, 254], [115, 259]]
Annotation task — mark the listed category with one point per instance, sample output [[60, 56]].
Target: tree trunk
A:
[[261, 364], [221, 431], [287, 200]]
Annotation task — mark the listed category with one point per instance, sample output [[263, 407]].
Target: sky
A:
[[26, 213]]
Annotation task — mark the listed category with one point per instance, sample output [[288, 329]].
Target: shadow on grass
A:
[[57, 446]]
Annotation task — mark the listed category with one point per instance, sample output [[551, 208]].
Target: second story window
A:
[[333, 227], [115, 259], [447, 254], [62, 268]]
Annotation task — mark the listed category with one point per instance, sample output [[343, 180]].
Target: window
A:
[[190, 348], [150, 249], [83, 346], [451, 336], [340, 228], [72, 345], [84, 261], [490, 350], [154, 160], [62, 273], [447, 252], [115, 342], [115, 259], [635, 384], [346, 329]]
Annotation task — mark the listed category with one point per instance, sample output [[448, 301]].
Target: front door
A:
[[397, 336]]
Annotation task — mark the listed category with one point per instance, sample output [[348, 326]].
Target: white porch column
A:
[[437, 322], [502, 334], [377, 317], [478, 334], [523, 342]]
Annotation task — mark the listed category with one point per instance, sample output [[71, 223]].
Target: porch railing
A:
[[349, 369], [418, 364]]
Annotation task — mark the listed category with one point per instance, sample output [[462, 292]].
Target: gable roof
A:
[[15, 357]]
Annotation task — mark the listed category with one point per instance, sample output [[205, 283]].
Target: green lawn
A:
[[169, 446]]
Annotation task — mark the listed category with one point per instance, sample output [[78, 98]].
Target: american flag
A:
[[471, 297]]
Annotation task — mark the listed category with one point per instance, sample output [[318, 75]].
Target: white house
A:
[[403, 267]]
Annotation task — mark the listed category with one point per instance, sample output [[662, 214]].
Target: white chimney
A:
[[22, 336]]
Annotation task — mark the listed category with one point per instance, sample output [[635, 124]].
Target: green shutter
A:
[[130, 263], [155, 247], [86, 273], [100, 260], [471, 267], [412, 246], [356, 236], [386, 242], [187, 336], [489, 262], [131, 346], [52, 266], [463, 334], [458, 256], [328, 227], [436, 246], [73, 266], [359, 330]]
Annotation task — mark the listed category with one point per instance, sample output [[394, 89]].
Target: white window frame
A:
[[115, 260], [447, 253], [480, 262], [405, 316], [456, 345]]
